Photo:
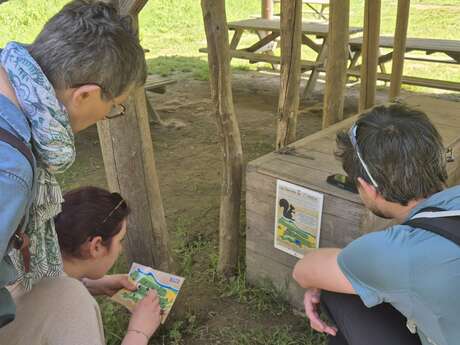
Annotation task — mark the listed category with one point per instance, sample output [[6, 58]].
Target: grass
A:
[[278, 335], [173, 31]]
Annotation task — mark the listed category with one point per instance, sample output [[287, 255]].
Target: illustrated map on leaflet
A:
[[166, 285]]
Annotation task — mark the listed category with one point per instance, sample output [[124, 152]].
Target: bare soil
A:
[[188, 159]]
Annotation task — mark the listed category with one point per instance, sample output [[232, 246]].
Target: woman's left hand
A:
[[109, 285]]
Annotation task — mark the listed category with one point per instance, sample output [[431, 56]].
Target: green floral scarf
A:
[[54, 149]]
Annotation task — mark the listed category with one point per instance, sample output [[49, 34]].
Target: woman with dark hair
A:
[[60, 311]]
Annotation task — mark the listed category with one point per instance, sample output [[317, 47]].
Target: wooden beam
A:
[[127, 150], [263, 42], [402, 22], [267, 9], [291, 42], [370, 54], [215, 23], [336, 67], [132, 7]]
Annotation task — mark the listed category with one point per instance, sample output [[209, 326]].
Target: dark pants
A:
[[359, 325]]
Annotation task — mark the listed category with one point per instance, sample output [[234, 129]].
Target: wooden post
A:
[[288, 103], [370, 53], [127, 149], [215, 24], [402, 22], [336, 68], [267, 9]]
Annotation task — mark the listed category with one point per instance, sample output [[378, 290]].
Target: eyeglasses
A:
[[121, 204], [116, 111], [354, 142]]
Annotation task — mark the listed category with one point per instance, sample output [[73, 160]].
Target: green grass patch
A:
[[173, 31], [278, 335]]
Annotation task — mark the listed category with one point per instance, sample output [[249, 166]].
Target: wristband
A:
[[138, 332]]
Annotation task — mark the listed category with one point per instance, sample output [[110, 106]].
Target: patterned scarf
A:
[[54, 149]]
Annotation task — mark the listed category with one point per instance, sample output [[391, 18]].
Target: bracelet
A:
[[138, 332]]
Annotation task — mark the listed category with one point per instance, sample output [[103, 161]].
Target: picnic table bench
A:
[[310, 32], [156, 85], [450, 48]]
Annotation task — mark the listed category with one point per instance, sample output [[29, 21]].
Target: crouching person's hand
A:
[[144, 321], [311, 302]]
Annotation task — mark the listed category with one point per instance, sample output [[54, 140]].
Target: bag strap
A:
[[438, 221], [18, 144], [20, 240]]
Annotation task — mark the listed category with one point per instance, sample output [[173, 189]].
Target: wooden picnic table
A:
[[311, 4], [311, 31], [450, 48]]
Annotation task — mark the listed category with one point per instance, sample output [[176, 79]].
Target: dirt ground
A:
[[188, 160]]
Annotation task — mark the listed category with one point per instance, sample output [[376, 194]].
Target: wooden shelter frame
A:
[[126, 142], [129, 163], [336, 68], [336, 71]]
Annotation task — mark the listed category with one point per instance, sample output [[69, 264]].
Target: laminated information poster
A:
[[297, 218], [166, 285]]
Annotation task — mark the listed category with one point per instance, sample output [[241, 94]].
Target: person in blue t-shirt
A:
[[400, 285], [80, 69]]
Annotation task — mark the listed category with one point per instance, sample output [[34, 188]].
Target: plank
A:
[[236, 39], [308, 28], [263, 42], [157, 85], [295, 170], [314, 2], [261, 190], [433, 83], [273, 273], [257, 57], [429, 45]]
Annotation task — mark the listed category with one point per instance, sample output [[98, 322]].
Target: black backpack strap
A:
[[439, 221], [20, 240], [18, 144]]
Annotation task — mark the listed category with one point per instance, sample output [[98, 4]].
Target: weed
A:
[[278, 335], [176, 333]]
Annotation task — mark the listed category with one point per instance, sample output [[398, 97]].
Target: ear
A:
[[84, 92], [96, 248], [367, 188]]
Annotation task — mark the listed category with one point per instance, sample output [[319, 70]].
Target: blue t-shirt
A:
[[417, 271]]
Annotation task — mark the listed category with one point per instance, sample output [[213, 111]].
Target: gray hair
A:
[[89, 42], [402, 150]]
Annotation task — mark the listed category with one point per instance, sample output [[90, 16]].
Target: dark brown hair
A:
[[402, 149], [88, 212]]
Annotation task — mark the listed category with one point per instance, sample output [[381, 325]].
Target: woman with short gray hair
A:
[[79, 70]]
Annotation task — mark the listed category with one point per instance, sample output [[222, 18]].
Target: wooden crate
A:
[[344, 216]]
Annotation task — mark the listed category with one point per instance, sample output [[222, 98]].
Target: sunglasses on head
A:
[[354, 142], [119, 205]]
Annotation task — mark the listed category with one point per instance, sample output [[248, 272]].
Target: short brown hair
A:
[[402, 150]]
